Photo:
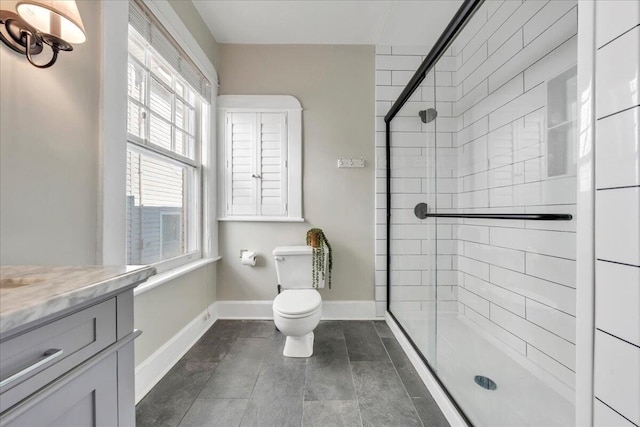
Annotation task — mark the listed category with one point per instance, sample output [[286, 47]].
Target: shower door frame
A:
[[455, 26]]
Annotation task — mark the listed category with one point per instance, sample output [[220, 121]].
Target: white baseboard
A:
[[331, 310], [446, 406], [154, 367], [244, 310]]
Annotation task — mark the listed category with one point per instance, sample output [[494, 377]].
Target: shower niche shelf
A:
[[561, 124]]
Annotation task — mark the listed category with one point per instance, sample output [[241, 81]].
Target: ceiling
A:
[[370, 22]]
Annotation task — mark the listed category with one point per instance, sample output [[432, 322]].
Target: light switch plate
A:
[[350, 162]]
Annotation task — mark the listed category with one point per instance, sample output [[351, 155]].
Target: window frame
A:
[[112, 231], [264, 104], [192, 185]]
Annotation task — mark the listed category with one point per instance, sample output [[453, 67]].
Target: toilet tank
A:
[[293, 267]]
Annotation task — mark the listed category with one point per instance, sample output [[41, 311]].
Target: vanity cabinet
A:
[[89, 399], [71, 368]]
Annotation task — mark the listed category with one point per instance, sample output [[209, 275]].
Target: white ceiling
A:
[[382, 22]]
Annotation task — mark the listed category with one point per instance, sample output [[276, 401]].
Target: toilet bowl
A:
[[297, 309], [296, 313]]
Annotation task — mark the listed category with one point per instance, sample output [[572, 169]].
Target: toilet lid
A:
[[297, 301]]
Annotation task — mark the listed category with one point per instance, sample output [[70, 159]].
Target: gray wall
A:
[[49, 152], [199, 30], [163, 311], [335, 85]]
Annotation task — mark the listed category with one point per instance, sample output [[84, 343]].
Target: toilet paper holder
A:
[[248, 257]]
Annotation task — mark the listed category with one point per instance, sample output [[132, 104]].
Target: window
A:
[[166, 124], [260, 140]]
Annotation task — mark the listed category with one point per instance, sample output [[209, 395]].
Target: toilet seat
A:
[[297, 303]]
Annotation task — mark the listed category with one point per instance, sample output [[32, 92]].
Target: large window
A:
[[165, 124]]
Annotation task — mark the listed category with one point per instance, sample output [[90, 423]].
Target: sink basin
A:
[[11, 283]]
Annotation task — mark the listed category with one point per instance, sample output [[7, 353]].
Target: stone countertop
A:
[[29, 293]]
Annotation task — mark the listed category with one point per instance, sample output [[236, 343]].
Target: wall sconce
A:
[[56, 23]]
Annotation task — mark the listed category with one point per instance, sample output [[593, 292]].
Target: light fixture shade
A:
[[60, 18]]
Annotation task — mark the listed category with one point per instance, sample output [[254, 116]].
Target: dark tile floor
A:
[[236, 375]]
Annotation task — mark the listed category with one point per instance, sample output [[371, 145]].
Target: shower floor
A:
[[521, 398]]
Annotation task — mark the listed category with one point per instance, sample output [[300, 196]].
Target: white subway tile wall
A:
[[413, 152], [616, 375], [523, 271], [493, 149], [617, 237]]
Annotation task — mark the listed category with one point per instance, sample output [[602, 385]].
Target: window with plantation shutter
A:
[[257, 163], [261, 151]]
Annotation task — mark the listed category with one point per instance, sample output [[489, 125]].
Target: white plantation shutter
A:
[[272, 186], [256, 164], [241, 190]]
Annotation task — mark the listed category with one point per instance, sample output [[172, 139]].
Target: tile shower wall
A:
[[516, 114], [617, 215], [514, 279], [412, 149]]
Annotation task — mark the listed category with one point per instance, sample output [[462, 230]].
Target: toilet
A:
[[297, 308]]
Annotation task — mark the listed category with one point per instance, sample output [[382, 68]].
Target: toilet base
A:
[[301, 346]]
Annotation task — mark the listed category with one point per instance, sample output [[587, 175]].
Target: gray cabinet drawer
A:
[[89, 400], [79, 335]]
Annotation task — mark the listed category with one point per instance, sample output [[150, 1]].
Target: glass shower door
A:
[[412, 241], [483, 280]]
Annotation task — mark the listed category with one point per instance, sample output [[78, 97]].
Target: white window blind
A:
[[166, 124], [256, 163], [147, 25]]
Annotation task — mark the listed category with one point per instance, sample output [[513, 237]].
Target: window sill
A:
[[167, 276], [260, 219]]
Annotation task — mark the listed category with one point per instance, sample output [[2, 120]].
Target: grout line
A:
[[304, 388], [489, 93], [197, 396], [619, 263], [514, 271], [616, 38], [514, 335], [618, 188], [492, 322], [618, 112], [521, 29], [489, 131], [353, 381], [515, 314], [400, 378], [552, 24], [461, 49], [610, 407], [617, 337], [550, 357], [210, 375]]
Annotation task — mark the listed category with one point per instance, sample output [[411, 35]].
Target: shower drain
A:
[[485, 382]]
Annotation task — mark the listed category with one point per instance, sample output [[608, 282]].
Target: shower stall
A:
[[481, 211]]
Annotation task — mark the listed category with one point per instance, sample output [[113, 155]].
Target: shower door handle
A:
[[422, 211]]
